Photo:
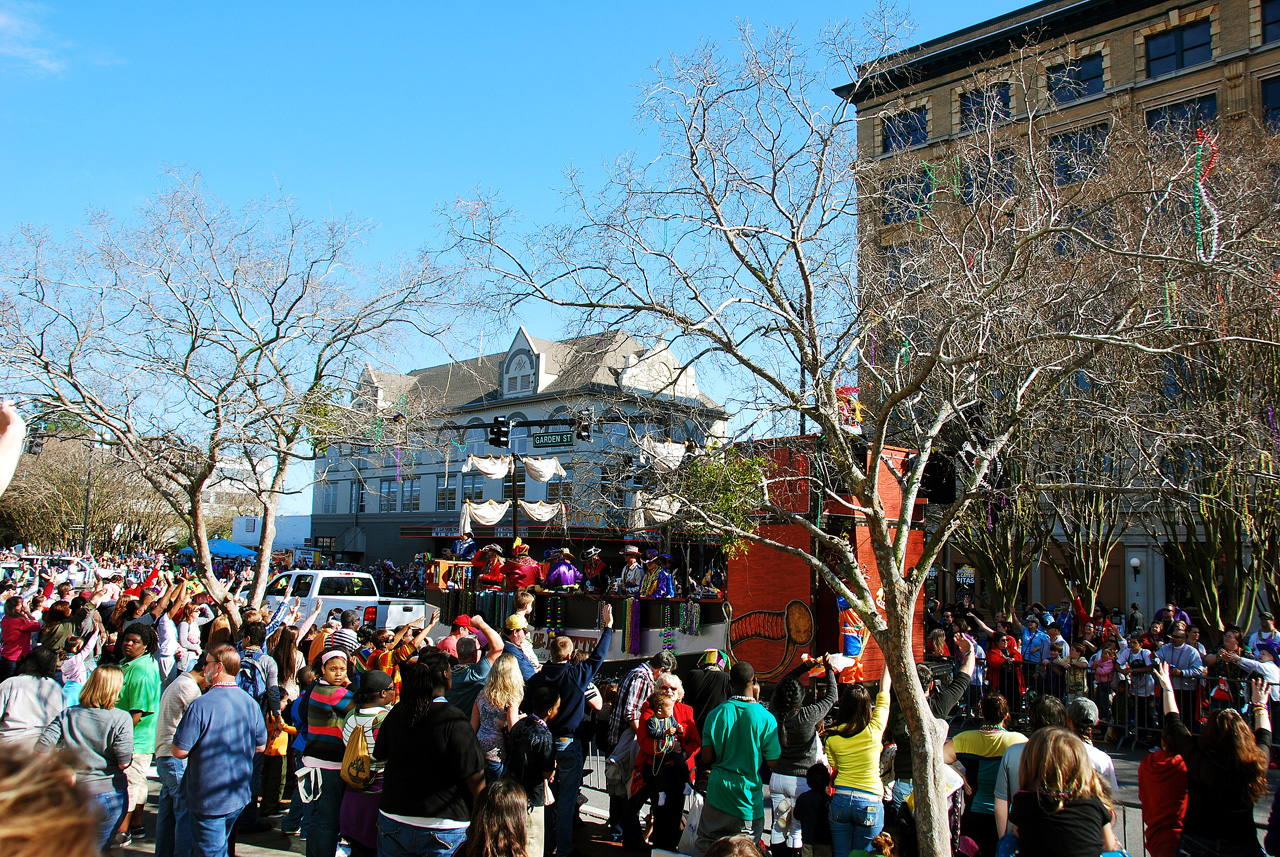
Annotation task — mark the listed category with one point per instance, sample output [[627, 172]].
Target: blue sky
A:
[[382, 109]]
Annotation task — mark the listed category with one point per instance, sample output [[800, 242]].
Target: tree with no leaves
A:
[[960, 294], [204, 342]]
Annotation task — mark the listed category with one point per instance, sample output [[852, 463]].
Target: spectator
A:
[[532, 760], [259, 675], [1082, 717], [1162, 791], [514, 640], [1045, 712], [570, 681], [1265, 665], [668, 747], [299, 813], [1035, 643], [734, 846], [173, 822], [16, 629], [498, 826], [740, 737], [1136, 621], [1186, 668], [1136, 665], [140, 697], [421, 815], [633, 692], [219, 736], [706, 687], [1226, 773], [460, 628], [1063, 809], [1004, 670], [472, 669], [853, 749], [325, 709], [359, 813], [812, 812], [801, 747], [495, 712], [1267, 633], [980, 751], [1228, 681], [100, 737], [30, 700]]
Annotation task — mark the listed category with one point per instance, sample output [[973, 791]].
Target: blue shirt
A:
[[220, 730], [1034, 646]]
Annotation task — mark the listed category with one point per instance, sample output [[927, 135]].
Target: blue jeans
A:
[[326, 809], [111, 805], [173, 823], [568, 783], [299, 814], [249, 816], [856, 818], [210, 833], [492, 771], [404, 840]]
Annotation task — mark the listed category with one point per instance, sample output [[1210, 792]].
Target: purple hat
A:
[[1271, 647]]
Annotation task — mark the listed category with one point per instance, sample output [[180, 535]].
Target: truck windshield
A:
[[359, 587]]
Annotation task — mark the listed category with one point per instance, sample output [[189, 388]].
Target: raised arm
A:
[[494, 638]]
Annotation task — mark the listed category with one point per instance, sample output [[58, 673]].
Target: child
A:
[[811, 811], [73, 671], [531, 759], [1077, 670], [1104, 673], [1062, 809], [1055, 680], [299, 814]]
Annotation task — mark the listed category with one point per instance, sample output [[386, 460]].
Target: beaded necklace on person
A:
[[744, 698]]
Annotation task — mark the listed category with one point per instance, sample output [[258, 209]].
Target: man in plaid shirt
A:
[[633, 693]]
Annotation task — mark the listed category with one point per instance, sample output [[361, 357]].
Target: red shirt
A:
[[690, 742], [15, 636]]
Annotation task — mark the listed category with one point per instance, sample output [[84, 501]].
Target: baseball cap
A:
[[375, 681], [516, 622], [1083, 711], [463, 620]]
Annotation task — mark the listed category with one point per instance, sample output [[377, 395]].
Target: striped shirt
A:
[[326, 710]]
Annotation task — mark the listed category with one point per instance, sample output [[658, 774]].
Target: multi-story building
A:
[[1077, 69], [402, 493]]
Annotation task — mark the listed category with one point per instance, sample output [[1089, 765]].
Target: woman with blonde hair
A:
[[100, 737], [495, 711], [1062, 808]]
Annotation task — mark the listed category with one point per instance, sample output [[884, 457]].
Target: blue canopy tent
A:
[[224, 549]]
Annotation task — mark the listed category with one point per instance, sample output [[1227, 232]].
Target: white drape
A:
[[485, 514], [540, 511], [542, 469], [488, 466], [652, 510], [666, 456]]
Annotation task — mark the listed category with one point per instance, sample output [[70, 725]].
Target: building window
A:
[[906, 129], [986, 106], [560, 489], [325, 543], [989, 179], [1270, 21], [446, 494], [905, 197], [473, 487], [520, 374], [1184, 118], [1078, 155], [519, 440], [1181, 47], [388, 496], [357, 497], [1271, 104], [1077, 79], [477, 441], [329, 499], [251, 525], [519, 492], [413, 495]]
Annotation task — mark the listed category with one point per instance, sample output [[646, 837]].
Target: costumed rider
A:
[[489, 563], [657, 579], [521, 571], [465, 547], [632, 572], [595, 573], [563, 574]]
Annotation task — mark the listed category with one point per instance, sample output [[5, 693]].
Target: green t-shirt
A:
[[742, 735], [141, 692]]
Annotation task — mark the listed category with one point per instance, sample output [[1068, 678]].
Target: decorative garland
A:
[[633, 626], [1202, 197]]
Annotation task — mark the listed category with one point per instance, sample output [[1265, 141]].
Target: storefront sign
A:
[[553, 438], [965, 575]]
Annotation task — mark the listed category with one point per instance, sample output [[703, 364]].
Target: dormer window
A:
[[520, 374]]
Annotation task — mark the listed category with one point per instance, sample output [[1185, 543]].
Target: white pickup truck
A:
[[343, 590]]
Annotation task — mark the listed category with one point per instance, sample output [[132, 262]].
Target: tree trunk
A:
[[262, 567], [204, 564]]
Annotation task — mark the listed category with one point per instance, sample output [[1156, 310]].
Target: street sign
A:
[[553, 438]]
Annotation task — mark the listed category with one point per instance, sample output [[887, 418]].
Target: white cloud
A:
[[24, 44]]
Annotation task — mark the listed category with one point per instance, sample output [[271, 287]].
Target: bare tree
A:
[[203, 342]]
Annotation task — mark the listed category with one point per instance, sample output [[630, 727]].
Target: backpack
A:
[[252, 681], [357, 762]]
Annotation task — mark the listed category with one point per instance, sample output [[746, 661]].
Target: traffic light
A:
[[499, 433], [584, 431], [35, 442]]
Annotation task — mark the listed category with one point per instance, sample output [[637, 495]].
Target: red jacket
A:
[[16, 631], [687, 732], [1162, 791]]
